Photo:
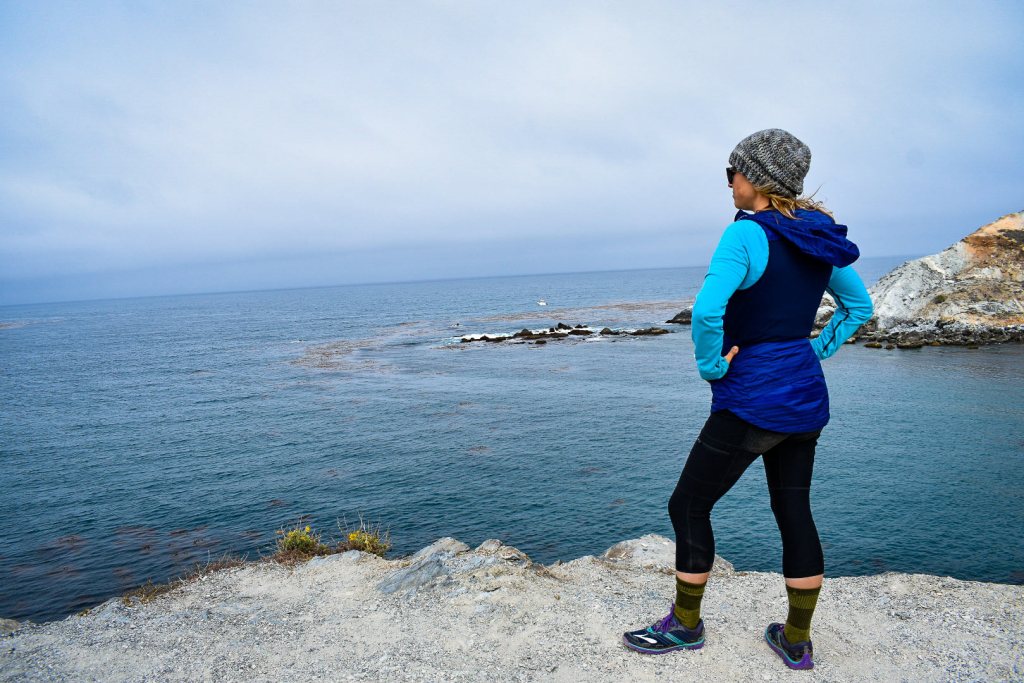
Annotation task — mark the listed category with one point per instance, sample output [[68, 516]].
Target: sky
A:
[[154, 148]]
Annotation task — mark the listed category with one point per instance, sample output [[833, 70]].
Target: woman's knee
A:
[[677, 505], [795, 521], [683, 505], [791, 503]]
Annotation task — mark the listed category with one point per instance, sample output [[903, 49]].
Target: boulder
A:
[[490, 546], [409, 580], [484, 338], [444, 547], [655, 552], [427, 567], [684, 317]]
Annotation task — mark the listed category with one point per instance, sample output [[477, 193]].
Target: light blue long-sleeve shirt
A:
[[738, 262]]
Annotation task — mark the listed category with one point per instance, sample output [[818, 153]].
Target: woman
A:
[[751, 323]]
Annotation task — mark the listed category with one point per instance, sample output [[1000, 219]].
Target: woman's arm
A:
[[738, 262], [853, 309]]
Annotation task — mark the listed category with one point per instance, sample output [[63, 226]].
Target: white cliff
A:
[[973, 291]]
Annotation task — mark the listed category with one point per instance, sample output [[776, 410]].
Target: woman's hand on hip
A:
[[732, 354]]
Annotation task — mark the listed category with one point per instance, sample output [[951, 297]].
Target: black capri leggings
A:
[[727, 445]]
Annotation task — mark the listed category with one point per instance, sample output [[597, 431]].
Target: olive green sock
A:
[[801, 608], [688, 597]]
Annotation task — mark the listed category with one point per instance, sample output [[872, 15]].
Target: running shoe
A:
[[666, 635], [795, 655]]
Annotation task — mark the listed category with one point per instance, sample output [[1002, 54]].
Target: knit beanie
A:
[[773, 159]]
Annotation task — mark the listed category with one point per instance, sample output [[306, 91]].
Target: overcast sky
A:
[[166, 147]]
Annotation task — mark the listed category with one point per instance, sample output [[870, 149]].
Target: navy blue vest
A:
[[782, 304]]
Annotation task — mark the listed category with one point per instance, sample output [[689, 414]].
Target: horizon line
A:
[[378, 282]]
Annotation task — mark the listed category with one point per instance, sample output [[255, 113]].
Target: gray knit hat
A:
[[773, 159]]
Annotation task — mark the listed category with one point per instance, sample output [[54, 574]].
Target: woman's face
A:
[[744, 196]]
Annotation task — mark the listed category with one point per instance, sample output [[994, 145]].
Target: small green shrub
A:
[[300, 543], [367, 538], [939, 299]]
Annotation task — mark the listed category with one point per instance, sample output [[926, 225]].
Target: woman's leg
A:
[[788, 468], [726, 447], [723, 451]]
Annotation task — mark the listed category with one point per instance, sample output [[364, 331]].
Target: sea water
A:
[[141, 436]]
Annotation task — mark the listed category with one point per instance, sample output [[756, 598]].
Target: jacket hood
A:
[[812, 232]]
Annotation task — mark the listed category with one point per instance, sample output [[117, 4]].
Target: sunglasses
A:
[[730, 173]]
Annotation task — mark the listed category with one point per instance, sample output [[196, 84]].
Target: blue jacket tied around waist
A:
[[761, 293]]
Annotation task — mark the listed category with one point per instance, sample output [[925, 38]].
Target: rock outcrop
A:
[[561, 331], [683, 317], [972, 292]]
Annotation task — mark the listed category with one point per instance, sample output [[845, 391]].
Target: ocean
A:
[[140, 436]]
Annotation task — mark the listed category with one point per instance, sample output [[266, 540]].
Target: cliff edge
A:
[[449, 613]]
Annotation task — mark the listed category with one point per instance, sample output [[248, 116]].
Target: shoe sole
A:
[[662, 651], [786, 659]]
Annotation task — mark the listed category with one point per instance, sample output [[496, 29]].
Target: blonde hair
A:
[[787, 205]]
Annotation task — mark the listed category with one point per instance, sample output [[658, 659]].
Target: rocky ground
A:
[[490, 614]]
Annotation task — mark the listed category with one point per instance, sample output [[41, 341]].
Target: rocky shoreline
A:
[[449, 613], [951, 334], [561, 331], [917, 334], [970, 293], [906, 335]]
